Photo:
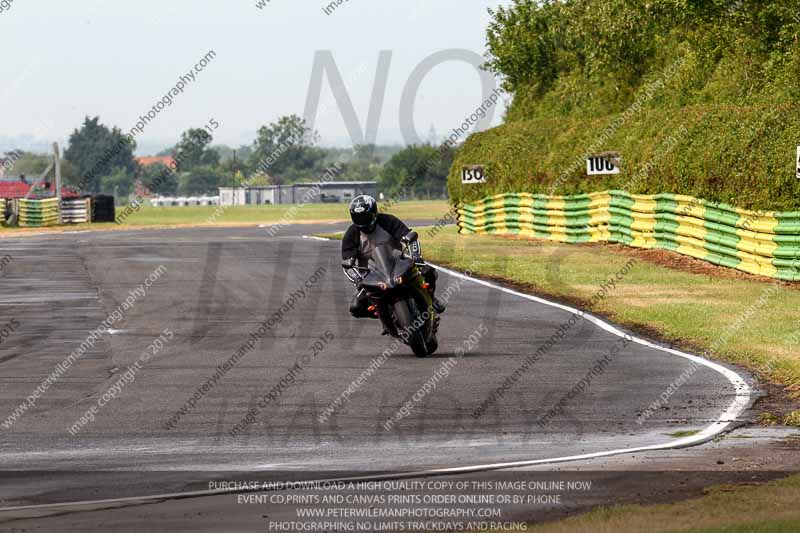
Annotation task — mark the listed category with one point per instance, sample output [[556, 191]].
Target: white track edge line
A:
[[736, 408]]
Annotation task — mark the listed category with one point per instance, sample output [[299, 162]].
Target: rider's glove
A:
[[350, 270]]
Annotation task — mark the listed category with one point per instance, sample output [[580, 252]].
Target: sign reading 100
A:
[[798, 162], [598, 165]]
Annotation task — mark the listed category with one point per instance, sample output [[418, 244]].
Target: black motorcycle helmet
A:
[[364, 213]]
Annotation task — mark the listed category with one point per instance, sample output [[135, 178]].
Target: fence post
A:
[[57, 160]]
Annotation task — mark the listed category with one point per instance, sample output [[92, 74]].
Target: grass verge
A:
[[272, 213], [245, 215], [771, 507]]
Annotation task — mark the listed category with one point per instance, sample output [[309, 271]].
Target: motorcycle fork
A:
[[424, 295], [427, 296], [382, 304]]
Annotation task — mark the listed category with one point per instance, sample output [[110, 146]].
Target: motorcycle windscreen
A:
[[391, 264], [402, 268], [382, 266]]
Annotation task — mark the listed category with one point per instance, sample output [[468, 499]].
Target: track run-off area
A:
[[229, 350]]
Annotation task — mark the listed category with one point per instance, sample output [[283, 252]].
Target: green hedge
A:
[[591, 57], [743, 156], [709, 91]]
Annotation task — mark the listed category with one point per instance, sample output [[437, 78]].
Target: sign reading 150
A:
[[473, 174]]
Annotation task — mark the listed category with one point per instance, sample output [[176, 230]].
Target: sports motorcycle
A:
[[399, 295]]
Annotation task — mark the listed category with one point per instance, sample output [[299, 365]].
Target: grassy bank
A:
[[690, 151], [724, 509], [745, 321], [246, 215]]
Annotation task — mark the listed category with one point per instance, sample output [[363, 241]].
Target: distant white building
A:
[[331, 191], [183, 201]]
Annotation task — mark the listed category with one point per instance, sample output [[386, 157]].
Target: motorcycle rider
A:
[[369, 230]]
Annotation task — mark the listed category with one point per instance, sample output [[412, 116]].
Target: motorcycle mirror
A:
[[411, 237]]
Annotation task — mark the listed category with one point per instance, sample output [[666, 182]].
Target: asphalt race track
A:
[[216, 287]]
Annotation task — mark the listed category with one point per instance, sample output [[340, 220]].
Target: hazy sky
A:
[[116, 59]]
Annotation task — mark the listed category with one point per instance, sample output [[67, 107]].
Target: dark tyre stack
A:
[[103, 208]]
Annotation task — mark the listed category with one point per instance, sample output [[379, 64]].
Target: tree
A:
[[159, 179], [33, 165], [418, 171], [194, 149], [435, 183], [286, 151], [30, 165], [366, 153], [226, 153], [364, 164], [199, 181], [96, 151], [118, 182]]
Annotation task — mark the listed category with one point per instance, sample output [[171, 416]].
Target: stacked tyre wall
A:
[[763, 243], [76, 211], [38, 213], [27, 212], [103, 209]]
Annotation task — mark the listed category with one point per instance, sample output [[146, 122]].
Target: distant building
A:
[[324, 192], [166, 160]]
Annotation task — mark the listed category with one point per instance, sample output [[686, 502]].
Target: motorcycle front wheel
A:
[[405, 321]]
